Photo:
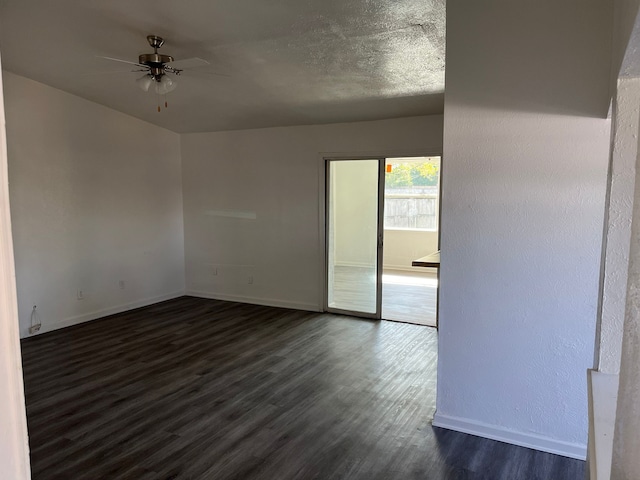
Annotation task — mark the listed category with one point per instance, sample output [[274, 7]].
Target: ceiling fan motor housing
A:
[[151, 58], [155, 61]]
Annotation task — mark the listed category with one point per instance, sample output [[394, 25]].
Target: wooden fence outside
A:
[[404, 210]]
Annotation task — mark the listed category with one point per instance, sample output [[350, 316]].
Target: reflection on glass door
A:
[[353, 236]]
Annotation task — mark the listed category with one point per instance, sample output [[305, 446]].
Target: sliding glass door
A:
[[354, 236]]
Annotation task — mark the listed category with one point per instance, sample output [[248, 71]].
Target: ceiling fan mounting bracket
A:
[[156, 62], [155, 41]]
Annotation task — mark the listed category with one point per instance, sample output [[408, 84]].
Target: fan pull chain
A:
[[166, 104]]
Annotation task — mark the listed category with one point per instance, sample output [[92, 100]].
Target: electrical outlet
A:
[[121, 284], [250, 280], [80, 294], [35, 322]]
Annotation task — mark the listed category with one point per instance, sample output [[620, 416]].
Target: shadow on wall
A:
[[557, 77]]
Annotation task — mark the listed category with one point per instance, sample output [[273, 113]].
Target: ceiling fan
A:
[[158, 68]]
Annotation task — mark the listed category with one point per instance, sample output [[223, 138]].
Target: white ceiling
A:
[[289, 62]]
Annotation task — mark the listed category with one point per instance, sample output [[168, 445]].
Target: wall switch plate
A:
[[80, 294], [250, 280], [121, 283], [214, 270]]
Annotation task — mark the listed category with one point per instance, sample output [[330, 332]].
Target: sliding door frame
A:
[[322, 159], [379, 234]]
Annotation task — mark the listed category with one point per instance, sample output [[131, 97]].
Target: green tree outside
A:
[[413, 174]]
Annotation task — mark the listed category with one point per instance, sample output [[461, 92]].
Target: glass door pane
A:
[[352, 236]]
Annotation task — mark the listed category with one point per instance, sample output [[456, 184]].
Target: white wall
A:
[[625, 40], [95, 199], [274, 174], [617, 232], [14, 446], [401, 247], [626, 462], [526, 153]]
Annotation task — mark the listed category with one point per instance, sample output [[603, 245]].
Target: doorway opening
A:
[[411, 233], [382, 238]]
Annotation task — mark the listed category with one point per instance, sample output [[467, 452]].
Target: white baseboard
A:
[[528, 440], [268, 302], [87, 317]]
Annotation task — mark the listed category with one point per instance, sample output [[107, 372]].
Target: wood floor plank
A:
[[203, 389]]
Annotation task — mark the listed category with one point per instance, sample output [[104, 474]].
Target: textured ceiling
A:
[[285, 62]]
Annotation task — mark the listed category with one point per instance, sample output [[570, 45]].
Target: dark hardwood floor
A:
[[203, 389]]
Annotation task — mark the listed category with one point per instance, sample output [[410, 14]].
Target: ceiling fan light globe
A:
[[144, 82], [159, 88], [166, 84]]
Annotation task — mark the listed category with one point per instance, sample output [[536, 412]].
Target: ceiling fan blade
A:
[[188, 63], [201, 72], [121, 61], [114, 72]]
